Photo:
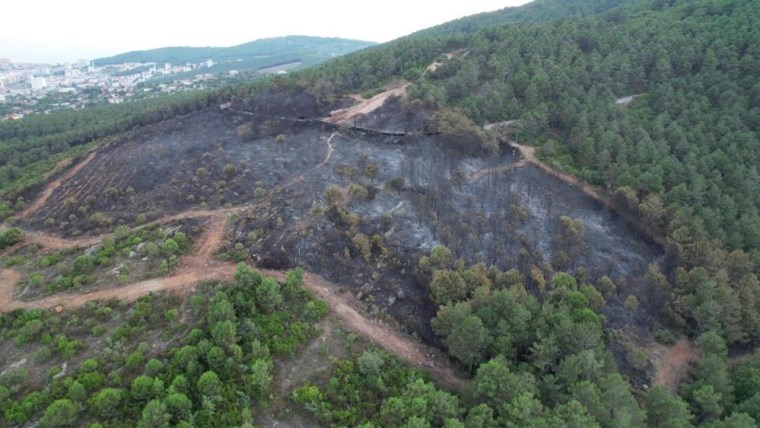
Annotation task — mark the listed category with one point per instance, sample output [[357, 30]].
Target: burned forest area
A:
[[360, 210]]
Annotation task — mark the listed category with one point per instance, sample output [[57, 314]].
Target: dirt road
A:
[[181, 283], [58, 243]]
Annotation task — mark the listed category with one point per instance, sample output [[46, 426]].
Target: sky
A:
[[51, 31]]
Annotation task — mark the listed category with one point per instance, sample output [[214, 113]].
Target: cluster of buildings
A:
[[42, 88]]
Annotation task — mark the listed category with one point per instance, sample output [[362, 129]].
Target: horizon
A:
[[80, 30]]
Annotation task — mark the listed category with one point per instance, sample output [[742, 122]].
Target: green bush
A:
[[170, 247], [11, 236], [84, 264]]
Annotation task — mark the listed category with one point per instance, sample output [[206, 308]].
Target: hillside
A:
[[561, 80], [248, 56], [545, 216], [536, 11]]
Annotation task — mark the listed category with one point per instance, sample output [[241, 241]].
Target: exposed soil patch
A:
[[316, 358], [624, 101], [435, 64], [672, 363], [365, 106], [212, 236], [8, 280]]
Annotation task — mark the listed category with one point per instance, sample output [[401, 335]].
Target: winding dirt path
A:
[[58, 243], [180, 283], [212, 237], [330, 150]]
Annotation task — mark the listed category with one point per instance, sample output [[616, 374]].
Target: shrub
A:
[[60, 413], [100, 219], [84, 264], [171, 314], [151, 249], [35, 280], [11, 236], [107, 402], [121, 232], [49, 260], [363, 245], [333, 195], [170, 247], [153, 367], [638, 359], [395, 184], [631, 303], [359, 192]]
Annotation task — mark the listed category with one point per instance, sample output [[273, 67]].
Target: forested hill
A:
[[261, 52], [533, 12], [686, 148]]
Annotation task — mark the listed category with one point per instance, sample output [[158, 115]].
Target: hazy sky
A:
[[67, 30]]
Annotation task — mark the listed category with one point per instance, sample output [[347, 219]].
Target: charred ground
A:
[[361, 216]]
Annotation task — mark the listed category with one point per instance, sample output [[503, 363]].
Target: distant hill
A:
[[254, 55]]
